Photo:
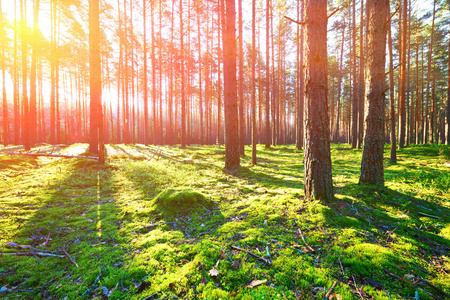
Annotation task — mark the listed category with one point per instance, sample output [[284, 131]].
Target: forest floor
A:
[[175, 226]]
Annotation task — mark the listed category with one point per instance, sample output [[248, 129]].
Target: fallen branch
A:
[[430, 294], [51, 155], [435, 288], [304, 241], [157, 150], [68, 256], [427, 215], [37, 254], [252, 254], [356, 287]]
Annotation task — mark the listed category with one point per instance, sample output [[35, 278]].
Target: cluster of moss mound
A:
[[178, 200]]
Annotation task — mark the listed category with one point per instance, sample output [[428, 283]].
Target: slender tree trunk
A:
[[145, 83], [409, 103], [337, 135], [253, 90], [241, 83], [95, 83], [16, 83], [355, 101], [25, 108], [33, 86], [430, 60], [402, 78], [361, 78], [317, 157], [372, 159], [418, 93], [5, 102], [391, 98], [232, 157], [156, 130], [268, 137], [448, 89], [183, 97]]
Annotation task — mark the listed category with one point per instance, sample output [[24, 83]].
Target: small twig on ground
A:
[[46, 241], [356, 287], [430, 294], [37, 254], [202, 233], [304, 241], [68, 256], [393, 275], [427, 215], [435, 288], [252, 254], [340, 263]]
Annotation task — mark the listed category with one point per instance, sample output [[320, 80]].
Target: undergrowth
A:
[[146, 226]]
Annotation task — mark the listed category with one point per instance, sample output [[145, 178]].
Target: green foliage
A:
[[168, 220]]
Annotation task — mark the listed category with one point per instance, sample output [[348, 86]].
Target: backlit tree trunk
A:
[[232, 158], [372, 159], [5, 103], [317, 158], [391, 98], [267, 133], [95, 83]]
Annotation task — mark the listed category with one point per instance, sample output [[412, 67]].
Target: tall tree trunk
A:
[[409, 103], [418, 93], [145, 131], [241, 83], [200, 62], [391, 98], [402, 78], [16, 83], [5, 102], [317, 157], [95, 83], [253, 90], [361, 78], [25, 108], [268, 138], [355, 101], [372, 158], [337, 135], [448, 89], [232, 158], [183, 97], [33, 86], [430, 60]]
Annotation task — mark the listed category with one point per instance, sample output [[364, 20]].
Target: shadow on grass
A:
[[76, 211], [385, 232]]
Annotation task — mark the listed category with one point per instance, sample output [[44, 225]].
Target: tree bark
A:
[[268, 137], [430, 59], [253, 90], [372, 158], [355, 101], [241, 84], [391, 98], [5, 102], [232, 157], [402, 78], [318, 177], [95, 82]]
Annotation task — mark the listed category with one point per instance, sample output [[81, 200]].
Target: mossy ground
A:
[[167, 221]]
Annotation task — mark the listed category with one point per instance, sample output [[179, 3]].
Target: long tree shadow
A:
[[77, 212], [386, 233]]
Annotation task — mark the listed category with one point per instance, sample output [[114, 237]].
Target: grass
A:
[[141, 229]]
